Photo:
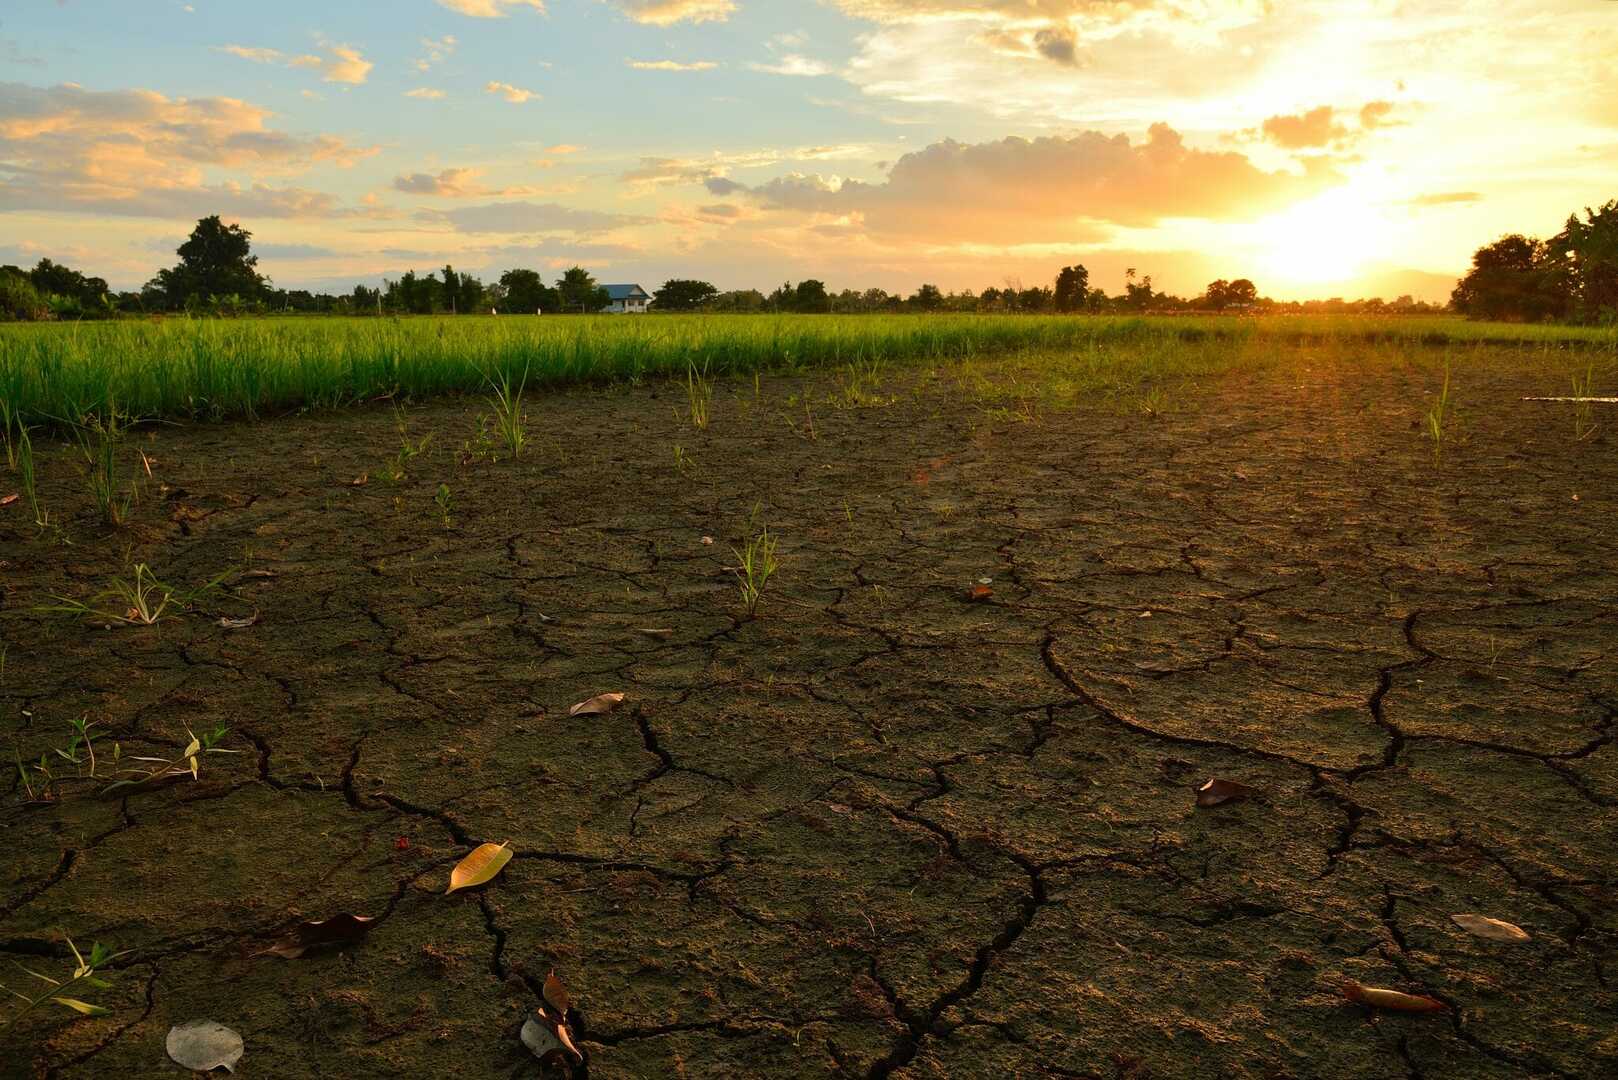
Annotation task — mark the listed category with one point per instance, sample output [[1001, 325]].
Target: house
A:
[[626, 300]]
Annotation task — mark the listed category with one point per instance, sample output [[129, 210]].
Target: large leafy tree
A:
[[683, 294], [1513, 278], [1072, 288], [217, 260], [1222, 294], [1583, 264], [527, 293], [579, 291]]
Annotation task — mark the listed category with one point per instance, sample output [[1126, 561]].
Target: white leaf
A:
[[202, 1045]]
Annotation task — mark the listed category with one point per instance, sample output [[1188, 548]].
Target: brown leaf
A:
[[978, 594], [601, 703], [479, 867], [361, 480], [1378, 998], [239, 624], [9, 499], [1217, 791], [656, 632], [556, 995], [1494, 929], [337, 930]]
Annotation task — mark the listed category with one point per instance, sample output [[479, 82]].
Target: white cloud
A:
[[514, 94], [671, 65], [793, 64], [668, 12], [425, 93], [436, 51], [490, 9], [342, 64]]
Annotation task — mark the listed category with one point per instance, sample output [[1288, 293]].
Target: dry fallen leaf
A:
[[601, 703], [479, 867], [239, 624], [361, 480], [653, 631], [707, 540], [249, 575], [9, 499], [1495, 929], [337, 930], [977, 594], [1218, 791], [203, 1046], [1378, 998], [546, 1035], [556, 995]]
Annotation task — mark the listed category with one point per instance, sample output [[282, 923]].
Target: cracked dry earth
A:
[[878, 830]]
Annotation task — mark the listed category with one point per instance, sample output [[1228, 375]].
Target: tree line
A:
[[217, 274], [1572, 277]]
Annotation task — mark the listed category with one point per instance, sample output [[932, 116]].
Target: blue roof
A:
[[625, 292]]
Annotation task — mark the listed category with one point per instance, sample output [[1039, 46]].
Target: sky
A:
[[1319, 147]]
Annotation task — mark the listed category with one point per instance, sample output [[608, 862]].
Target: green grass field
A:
[[219, 369]]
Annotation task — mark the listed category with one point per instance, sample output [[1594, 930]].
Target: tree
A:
[[1583, 264], [810, 296], [1137, 294], [1072, 288], [927, 298], [579, 292], [452, 290], [1512, 278], [681, 294], [527, 293], [1222, 294], [216, 260]]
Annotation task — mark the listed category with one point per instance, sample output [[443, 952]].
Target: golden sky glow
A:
[[1320, 148]]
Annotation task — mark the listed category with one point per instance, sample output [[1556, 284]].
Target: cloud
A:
[[514, 94], [661, 170], [256, 55], [1446, 198], [490, 9], [137, 152], [449, 184], [290, 251], [1376, 114], [436, 51], [793, 64], [723, 211], [1315, 128], [668, 12], [342, 64], [563, 148], [1057, 44], [1050, 189], [530, 217], [719, 185], [425, 93], [671, 65]]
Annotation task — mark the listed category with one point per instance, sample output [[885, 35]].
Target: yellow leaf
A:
[[601, 703], [81, 1006], [479, 867], [1495, 929]]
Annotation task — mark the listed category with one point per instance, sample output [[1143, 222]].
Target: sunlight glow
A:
[[1325, 239]]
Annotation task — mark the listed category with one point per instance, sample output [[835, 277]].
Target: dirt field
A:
[[879, 829]]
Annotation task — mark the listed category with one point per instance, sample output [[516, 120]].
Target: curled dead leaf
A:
[[480, 867], [9, 499], [1494, 929], [1217, 791], [1378, 998], [656, 632], [239, 624], [203, 1046], [601, 703], [337, 930], [361, 480], [978, 594], [556, 995]]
